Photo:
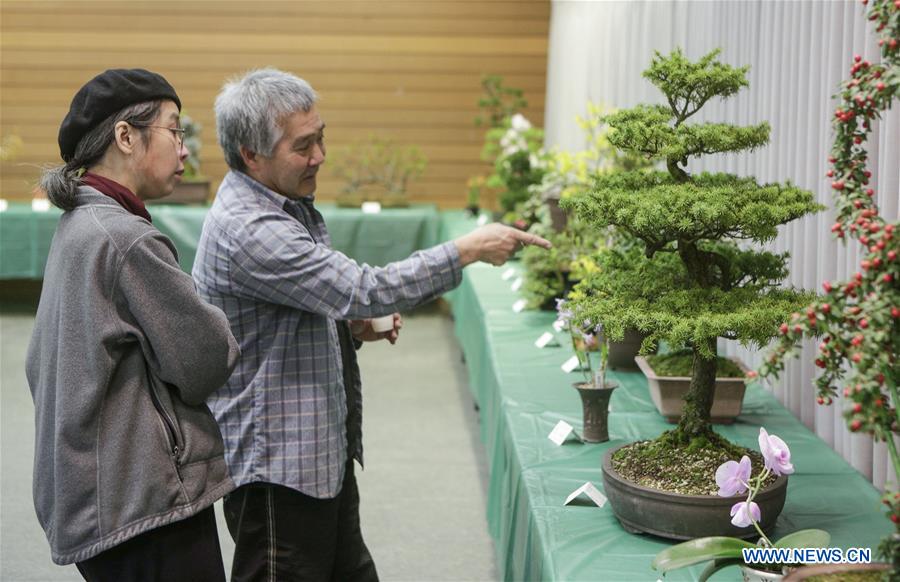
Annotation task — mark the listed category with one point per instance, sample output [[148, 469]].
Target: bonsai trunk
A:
[[694, 423]]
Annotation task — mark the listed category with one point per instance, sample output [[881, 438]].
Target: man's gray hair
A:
[[250, 109]]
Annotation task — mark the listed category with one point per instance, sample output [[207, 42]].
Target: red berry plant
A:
[[858, 320]]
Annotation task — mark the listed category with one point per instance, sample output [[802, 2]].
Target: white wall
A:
[[799, 51]]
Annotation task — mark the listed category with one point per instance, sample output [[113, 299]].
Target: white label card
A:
[[544, 340], [508, 274], [592, 492], [561, 432], [40, 205], [517, 284], [371, 207], [559, 325], [519, 305], [3, 205], [483, 219], [570, 364]]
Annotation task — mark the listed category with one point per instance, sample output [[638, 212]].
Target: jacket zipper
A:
[[170, 427]]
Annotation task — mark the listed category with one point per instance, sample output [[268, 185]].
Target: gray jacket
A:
[[123, 356]]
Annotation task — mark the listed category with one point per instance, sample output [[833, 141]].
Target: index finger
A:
[[532, 239]]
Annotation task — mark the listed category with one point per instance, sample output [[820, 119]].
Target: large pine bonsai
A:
[[690, 277]]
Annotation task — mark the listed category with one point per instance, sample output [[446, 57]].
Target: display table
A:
[[376, 239], [522, 393]]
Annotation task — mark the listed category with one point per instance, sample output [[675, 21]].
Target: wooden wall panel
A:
[[409, 70]]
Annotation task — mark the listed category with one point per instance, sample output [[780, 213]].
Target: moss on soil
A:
[[689, 470], [680, 364]]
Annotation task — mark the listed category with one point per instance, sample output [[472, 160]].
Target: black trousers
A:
[[282, 535], [184, 551]]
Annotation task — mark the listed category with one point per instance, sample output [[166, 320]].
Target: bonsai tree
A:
[[192, 143], [689, 277], [377, 169], [859, 320]]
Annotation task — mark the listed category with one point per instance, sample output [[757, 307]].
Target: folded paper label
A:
[[592, 492], [544, 340], [561, 432], [371, 207], [519, 305], [517, 284], [508, 274], [570, 365]]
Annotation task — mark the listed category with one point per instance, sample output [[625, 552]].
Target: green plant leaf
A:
[[805, 538], [699, 550]]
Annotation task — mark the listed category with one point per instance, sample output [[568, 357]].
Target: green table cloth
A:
[[522, 393], [376, 239]]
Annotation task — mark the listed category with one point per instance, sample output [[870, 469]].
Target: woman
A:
[[128, 458]]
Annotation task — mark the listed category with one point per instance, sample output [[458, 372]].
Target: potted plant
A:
[[595, 389], [669, 379], [732, 479], [858, 320], [194, 186], [377, 170], [690, 277], [551, 274]]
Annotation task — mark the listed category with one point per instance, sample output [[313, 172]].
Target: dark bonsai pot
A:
[[622, 353], [684, 517], [473, 210], [595, 408]]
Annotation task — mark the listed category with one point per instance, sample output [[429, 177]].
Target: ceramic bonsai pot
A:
[[668, 393], [595, 407], [623, 353], [684, 517]]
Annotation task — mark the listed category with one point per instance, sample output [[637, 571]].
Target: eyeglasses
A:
[[177, 132]]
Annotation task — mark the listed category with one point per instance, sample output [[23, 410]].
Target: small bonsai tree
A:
[[859, 320], [377, 169], [689, 277]]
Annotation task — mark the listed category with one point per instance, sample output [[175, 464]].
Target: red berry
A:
[[820, 363], [880, 245], [857, 204], [783, 328], [830, 173], [856, 358], [827, 286], [798, 329], [880, 86], [895, 518], [752, 374], [857, 140], [839, 185], [857, 339], [876, 262], [864, 323], [855, 426], [891, 255], [857, 408], [865, 265], [857, 58], [820, 400], [870, 192], [887, 278], [895, 312], [826, 308]]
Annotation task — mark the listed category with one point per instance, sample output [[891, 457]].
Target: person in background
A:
[[128, 459], [291, 413]]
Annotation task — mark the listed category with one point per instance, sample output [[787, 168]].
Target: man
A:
[[291, 413]]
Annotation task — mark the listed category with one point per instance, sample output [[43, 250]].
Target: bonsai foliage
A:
[[689, 277], [379, 163], [499, 107], [859, 319], [498, 103], [192, 143], [515, 148], [551, 274]]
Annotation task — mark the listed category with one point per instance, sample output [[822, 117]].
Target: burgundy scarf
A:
[[125, 197]]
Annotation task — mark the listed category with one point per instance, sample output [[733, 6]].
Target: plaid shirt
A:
[[266, 261]]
